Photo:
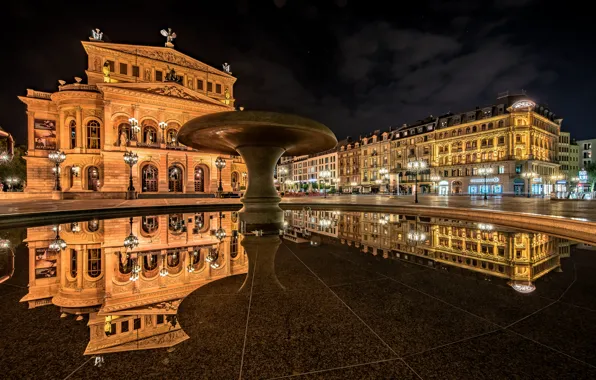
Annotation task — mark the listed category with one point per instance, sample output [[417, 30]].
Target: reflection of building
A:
[[92, 124], [520, 257], [95, 274], [303, 223]]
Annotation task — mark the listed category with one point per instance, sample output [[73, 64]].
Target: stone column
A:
[[261, 203], [80, 268], [111, 262]]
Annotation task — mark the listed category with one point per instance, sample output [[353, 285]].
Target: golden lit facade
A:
[[136, 99], [515, 140], [128, 292]]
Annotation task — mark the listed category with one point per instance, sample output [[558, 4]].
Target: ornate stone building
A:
[[161, 89], [131, 295]]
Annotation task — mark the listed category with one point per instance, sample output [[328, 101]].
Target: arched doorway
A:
[[235, 181], [149, 179], [456, 187], [199, 179], [175, 176], [93, 178]]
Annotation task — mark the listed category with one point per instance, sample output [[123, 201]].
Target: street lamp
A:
[[5, 158], [163, 125], [485, 172], [416, 166], [130, 159], [11, 181], [435, 179], [220, 233], [57, 157], [416, 236], [554, 178], [529, 176], [220, 163], [134, 128], [325, 174], [384, 173]]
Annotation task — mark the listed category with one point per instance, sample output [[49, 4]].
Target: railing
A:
[[38, 94], [79, 87]]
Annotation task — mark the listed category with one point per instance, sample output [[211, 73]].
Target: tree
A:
[[17, 167], [591, 170]]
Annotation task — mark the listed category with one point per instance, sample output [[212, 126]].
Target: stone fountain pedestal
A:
[[261, 138]]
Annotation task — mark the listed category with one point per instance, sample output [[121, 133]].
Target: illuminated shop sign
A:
[[481, 180]]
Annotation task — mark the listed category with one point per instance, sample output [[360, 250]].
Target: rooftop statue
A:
[[169, 35], [226, 68], [96, 35], [171, 76]]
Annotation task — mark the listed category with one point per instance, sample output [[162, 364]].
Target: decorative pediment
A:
[[171, 90]]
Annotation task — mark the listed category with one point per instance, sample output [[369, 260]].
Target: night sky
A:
[[356, 66]]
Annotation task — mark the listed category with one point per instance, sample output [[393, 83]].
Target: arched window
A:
[[124, 263], [175, 176], [474, 128], [199, 179], [171, 137], [72, 126], [236, 180], [94, 262], [93, 178], [149, 179], [234, 245], [176, 223], [199, 222], [124, 130], [150, 262], [196, 258], [453, 133], [150, 224], [93, 225], [93, 134], [149, 135], [173, 259], [73, 263], [501, 123], [468, 130], [490, 125], [484, 127]]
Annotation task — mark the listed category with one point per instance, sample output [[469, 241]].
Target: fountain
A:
[[261, 138]]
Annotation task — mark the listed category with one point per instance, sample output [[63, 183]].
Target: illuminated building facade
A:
[[132, 293], [308, 171], [136, 99]]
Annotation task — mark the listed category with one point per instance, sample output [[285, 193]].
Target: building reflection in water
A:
[[129, 275], [518, 257]]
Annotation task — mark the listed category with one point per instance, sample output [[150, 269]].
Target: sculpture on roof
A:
[[96, 35], [169, 35], [171, 76], [226, 68]]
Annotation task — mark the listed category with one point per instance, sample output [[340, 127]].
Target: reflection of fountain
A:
[[260, 138], [261, 251]]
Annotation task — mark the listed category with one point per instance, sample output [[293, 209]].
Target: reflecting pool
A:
[[336, 294]]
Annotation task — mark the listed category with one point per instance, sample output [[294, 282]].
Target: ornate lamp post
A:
[[57, 157], [435, 179], [325, 223], [416, 166], [57, 244], [134, 128], [163, 125], [281, 174], [529, 176], [11, 182], [485, 172], [220, 163], [325, 174], [416, 236], [130, 159], [220, 233]]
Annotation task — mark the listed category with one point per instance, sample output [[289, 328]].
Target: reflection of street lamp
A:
[[220, 233], [163, 125], [416, 236], [435, 179], [416, 166], [384, 220], [485, 172], [220, 163], [130, 159], [325, 174], [134, 128], [529, 176], [485, 227], [57, 244], [57, 157], [325, 223], [131, 241]]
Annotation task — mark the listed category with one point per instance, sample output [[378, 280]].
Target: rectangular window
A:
[[123, 68], [135, 71], [501, 169], [124, 327], [111, 64], [210, 86], [160, 319], [218, 88], [200, 84], [136, 324], [518, 169], [158, 76]]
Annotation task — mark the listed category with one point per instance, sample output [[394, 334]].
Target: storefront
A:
[[518, 186], [537, 186], [443, 188], [490, 185]]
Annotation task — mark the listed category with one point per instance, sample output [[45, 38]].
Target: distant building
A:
[[587, 152], [568, 156]]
